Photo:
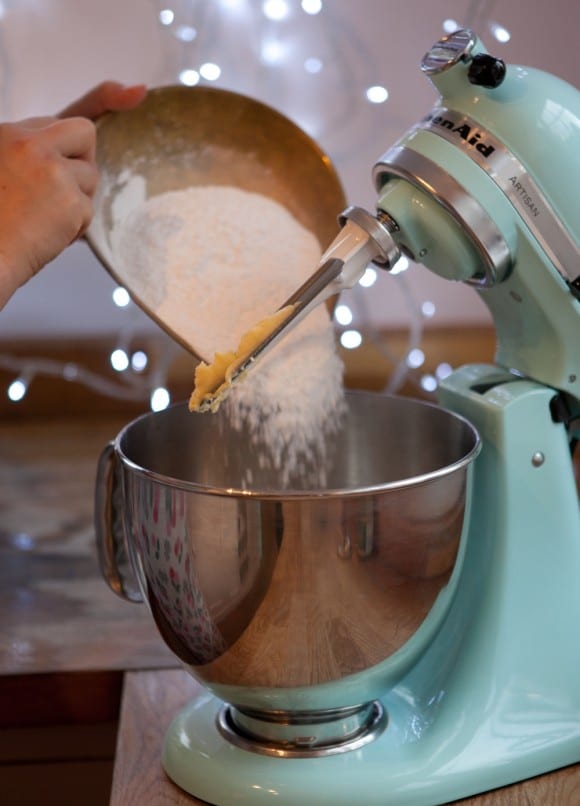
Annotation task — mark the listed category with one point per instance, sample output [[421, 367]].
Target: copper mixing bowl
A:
[[186, 136]]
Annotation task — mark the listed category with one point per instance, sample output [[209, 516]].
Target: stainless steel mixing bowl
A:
[[272, 596], [186, 136]]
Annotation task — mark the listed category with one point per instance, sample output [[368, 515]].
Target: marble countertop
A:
[[58, 614]]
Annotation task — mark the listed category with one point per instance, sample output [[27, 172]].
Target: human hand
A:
[[48, 177], [47, 180]]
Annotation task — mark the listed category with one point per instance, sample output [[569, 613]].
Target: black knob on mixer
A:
[[486, 71]]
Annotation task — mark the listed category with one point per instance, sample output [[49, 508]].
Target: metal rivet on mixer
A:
[[516, 296], [572, 379], [422, 253], [304, 741], [538, 459]]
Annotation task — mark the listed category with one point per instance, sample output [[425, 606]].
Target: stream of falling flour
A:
[[212, 261]]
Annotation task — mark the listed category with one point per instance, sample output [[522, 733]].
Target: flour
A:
[[212, 261]]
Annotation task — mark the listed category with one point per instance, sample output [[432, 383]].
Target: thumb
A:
[[109, 96]]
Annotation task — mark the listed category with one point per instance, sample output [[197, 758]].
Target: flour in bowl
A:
[[211, 262]]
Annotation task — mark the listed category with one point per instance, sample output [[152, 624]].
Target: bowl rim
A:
[[464, 462]]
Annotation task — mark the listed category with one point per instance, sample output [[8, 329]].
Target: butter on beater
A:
[[213, 381]]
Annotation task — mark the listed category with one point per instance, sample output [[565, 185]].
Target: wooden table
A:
[[58, 615], [65, 639]]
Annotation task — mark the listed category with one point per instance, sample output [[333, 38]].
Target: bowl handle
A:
[[114, 558]]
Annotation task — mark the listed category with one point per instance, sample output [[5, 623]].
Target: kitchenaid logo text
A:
[[469, 134], [503, 167]]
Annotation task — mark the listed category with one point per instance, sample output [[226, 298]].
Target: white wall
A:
[[53, 50]]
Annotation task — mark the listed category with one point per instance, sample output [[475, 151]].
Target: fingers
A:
[[36, 123], [73, 137], [109, 96], [85, 175], [48, 176], [47, 188], [86, 216], [67, 149]]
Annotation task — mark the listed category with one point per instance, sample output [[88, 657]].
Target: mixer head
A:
[[484, 190]]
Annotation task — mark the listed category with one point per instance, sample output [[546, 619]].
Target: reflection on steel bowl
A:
[[265, 593]]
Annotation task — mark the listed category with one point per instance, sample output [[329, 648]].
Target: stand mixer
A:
[[482, 190]]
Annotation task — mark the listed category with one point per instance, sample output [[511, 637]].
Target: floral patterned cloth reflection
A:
[[174, 594]]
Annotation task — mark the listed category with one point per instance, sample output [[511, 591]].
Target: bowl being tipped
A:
[[278, 596], [181, 137]]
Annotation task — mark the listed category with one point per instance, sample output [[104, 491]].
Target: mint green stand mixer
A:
[[483, 190]]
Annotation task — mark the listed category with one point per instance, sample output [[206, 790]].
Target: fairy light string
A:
[[189, 28]]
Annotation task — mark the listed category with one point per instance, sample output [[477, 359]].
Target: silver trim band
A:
[[512, 179], [429, 177]]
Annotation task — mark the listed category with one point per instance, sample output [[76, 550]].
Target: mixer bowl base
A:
[[303, 734]]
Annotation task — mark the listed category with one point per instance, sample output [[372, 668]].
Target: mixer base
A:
[[393, 769]]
